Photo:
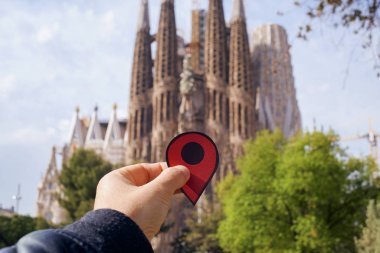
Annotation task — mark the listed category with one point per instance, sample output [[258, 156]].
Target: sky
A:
[[59, 54]]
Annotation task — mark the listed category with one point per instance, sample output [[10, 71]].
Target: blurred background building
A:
[[219, 83]]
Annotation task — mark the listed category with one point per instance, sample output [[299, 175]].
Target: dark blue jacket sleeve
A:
[[102, 230]]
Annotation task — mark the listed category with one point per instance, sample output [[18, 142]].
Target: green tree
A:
[[79, 178], [370, 239], [301, 195], [13, 228]]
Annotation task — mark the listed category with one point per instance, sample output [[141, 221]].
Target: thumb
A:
[[171, 179]]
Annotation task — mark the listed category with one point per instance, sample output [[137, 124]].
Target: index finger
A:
[[142, 173]]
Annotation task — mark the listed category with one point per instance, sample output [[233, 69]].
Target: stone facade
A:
[[216, 84], [106, 138], [140, 103], [277, 105], [242, 92], [165, 88], [48, 191]]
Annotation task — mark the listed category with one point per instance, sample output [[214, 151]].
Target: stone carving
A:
[[191, 111]]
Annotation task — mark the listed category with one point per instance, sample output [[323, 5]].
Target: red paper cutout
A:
[[186, 149]]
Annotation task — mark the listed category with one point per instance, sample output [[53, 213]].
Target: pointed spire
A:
[[166, 53], [94, 130], [240, 65], [113, 133], [76, 137], [238, 10], [240, 80], [216, 52], [53, 161], [141, 82], [143, 19], [165, 91], [142, 78]]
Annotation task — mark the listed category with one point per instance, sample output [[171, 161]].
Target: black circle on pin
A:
[[192, 153]]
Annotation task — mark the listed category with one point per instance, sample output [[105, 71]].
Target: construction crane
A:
[[17, 198], [371, 136]]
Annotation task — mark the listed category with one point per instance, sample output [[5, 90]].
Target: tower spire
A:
[[216, 58], [240, 81], [216, 62], [166, 55], [216, 76], [143, 19], [238, 11], [140, 104], [165, 92]]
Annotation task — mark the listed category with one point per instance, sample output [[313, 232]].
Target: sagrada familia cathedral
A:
[[218, 83]]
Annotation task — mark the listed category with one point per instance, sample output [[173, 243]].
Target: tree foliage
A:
[[361, 17], [13, 228], [370, 239], [301, 195], [79, 178]]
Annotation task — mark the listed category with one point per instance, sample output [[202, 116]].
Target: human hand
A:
[[143, 192]]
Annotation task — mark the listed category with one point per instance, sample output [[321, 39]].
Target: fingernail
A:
[[185, 171]]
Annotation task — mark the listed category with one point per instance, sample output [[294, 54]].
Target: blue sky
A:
[[57, 54]]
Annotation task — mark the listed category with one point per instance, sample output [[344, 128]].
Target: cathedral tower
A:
[[241, 91], [216, 63], [140, 104], [273, 74], [166, 78], [216, 76]]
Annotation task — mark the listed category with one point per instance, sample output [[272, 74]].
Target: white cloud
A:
[[7, 84], [37, 135], [63, 130], [47, 33], [107, 22], [24, 135]]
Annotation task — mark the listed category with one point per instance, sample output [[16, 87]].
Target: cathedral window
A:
[[142, 125], [149, 119], [161, 107], [168, 107], [155, 120], [130, 128], [214, 105], [174, 105], [135, 125], [233, 117], [227, 113], [239, 119], [220, 108]]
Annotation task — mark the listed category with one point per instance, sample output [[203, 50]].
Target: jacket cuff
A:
[[107, 230]]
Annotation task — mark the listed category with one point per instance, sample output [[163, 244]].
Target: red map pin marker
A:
[[199, 154]]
